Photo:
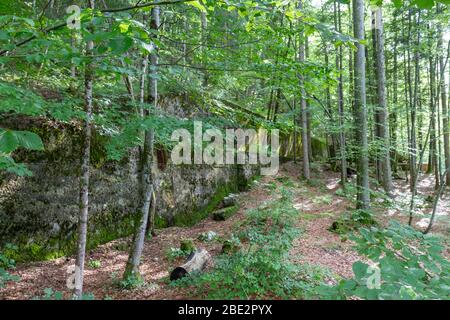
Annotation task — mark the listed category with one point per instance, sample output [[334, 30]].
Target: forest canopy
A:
[[354, 95]]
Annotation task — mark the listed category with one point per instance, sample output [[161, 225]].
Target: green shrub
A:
[[261, 268], [208, 236], [50, 294], [6, 277], [94, 264], [353, 220], [131, 282], [407, 265], [7, 263], [173, 254], [187, 245]]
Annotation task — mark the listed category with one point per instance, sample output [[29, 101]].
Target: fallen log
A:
[[196, 262], [230, 200], [225, 213]]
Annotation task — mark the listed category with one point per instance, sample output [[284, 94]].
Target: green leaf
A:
[[398, 3], [29, 140], [8, 164], [124, 26], [4, 35], [120, 45], [197, 5], [12, 140], [360, 269], [148, 47], [424, 4]]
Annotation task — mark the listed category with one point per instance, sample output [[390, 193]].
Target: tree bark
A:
[[303, 107], [196, 262], [363, 196], [85, 169], [433, 163], [382, 104], [204, 22], [394, 107], [340, 95], [445, 113], [132, 268]]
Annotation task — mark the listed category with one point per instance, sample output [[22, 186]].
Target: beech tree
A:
[[382, 108], [85, 166], [134, 260], [360, 108]]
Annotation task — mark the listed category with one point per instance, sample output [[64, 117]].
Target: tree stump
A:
[[197, 261]]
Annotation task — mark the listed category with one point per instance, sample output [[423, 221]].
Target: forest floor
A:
[[317, 202]]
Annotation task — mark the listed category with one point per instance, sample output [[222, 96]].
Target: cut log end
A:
[[196, 262], [178, 273]]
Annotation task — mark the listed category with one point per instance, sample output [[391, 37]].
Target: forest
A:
[[224, 150]]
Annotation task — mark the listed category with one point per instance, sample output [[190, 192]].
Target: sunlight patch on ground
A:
[[306, 205], [423, 223], [332, 184], [159, 275]]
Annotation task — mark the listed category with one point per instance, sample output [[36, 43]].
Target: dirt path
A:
[[319, 206]]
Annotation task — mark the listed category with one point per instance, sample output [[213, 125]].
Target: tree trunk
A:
[[382, 104], [433, 163], [340, 95], [132, 268], [394, 107], [85, 169], [204, 22], [331, 140], [438, 195], [308, 112], [445, 113], [304, 111], [373, 97], [363, 197]]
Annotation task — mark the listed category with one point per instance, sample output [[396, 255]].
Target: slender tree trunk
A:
[[394, 108], [438, 195], [331, 137], [445, 113], [85, 169], [132, 268], [73, 68], [351, 82], [414, 103], [363, 197], [340, 95], [185, 59], [373, 95], [433, 163], [204, 22], [308, 111], [304, 112], [447, 124], [413, 194], [382, 104]]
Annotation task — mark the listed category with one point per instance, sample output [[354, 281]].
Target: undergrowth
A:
[[351, 221], [7, 263], [261, 268], [403, 264]]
